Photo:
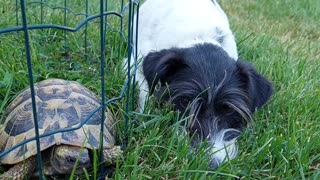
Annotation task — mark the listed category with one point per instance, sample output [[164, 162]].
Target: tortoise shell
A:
[[60, 104]]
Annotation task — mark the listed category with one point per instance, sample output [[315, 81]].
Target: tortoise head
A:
[[65, 157]]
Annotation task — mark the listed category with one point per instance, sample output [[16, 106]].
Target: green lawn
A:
[[280, 38]]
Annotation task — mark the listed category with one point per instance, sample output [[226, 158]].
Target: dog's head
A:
[[217, 93]]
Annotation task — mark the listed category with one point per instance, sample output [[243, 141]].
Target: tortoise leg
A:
[[111, 154], [21, 170]]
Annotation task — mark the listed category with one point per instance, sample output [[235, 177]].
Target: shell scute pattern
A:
[[60, 104], [22, 97], [77, 88], [23, 118], [86, 106], [22, 150], [50, 93]]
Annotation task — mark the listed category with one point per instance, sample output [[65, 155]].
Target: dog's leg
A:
[[140, 79], [143, 90]]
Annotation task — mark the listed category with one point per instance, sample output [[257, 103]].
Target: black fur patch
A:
[[205, 81]]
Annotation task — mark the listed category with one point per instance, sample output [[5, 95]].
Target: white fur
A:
[[164, 24], [221, 149], [180, 23]]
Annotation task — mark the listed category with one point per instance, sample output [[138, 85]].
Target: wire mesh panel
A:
[[83, 41]]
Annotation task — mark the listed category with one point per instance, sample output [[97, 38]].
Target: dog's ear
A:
[[258, 87], [162, 66]]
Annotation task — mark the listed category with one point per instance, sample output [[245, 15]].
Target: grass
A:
[[280, 38]]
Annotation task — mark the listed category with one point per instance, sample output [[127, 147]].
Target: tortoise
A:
[[60, 104]]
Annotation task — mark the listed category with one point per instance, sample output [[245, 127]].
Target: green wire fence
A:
[[111, 22]]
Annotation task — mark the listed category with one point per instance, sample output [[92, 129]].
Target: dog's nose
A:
[[214, 163]]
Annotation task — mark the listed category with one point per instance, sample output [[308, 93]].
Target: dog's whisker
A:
[[195, 108]]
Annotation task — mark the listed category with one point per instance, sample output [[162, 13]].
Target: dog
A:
[[190, 59]]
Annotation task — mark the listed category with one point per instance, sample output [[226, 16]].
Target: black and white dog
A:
[[190, 60]]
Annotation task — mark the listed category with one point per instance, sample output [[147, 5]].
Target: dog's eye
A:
[[184, 102], [226, 109]]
